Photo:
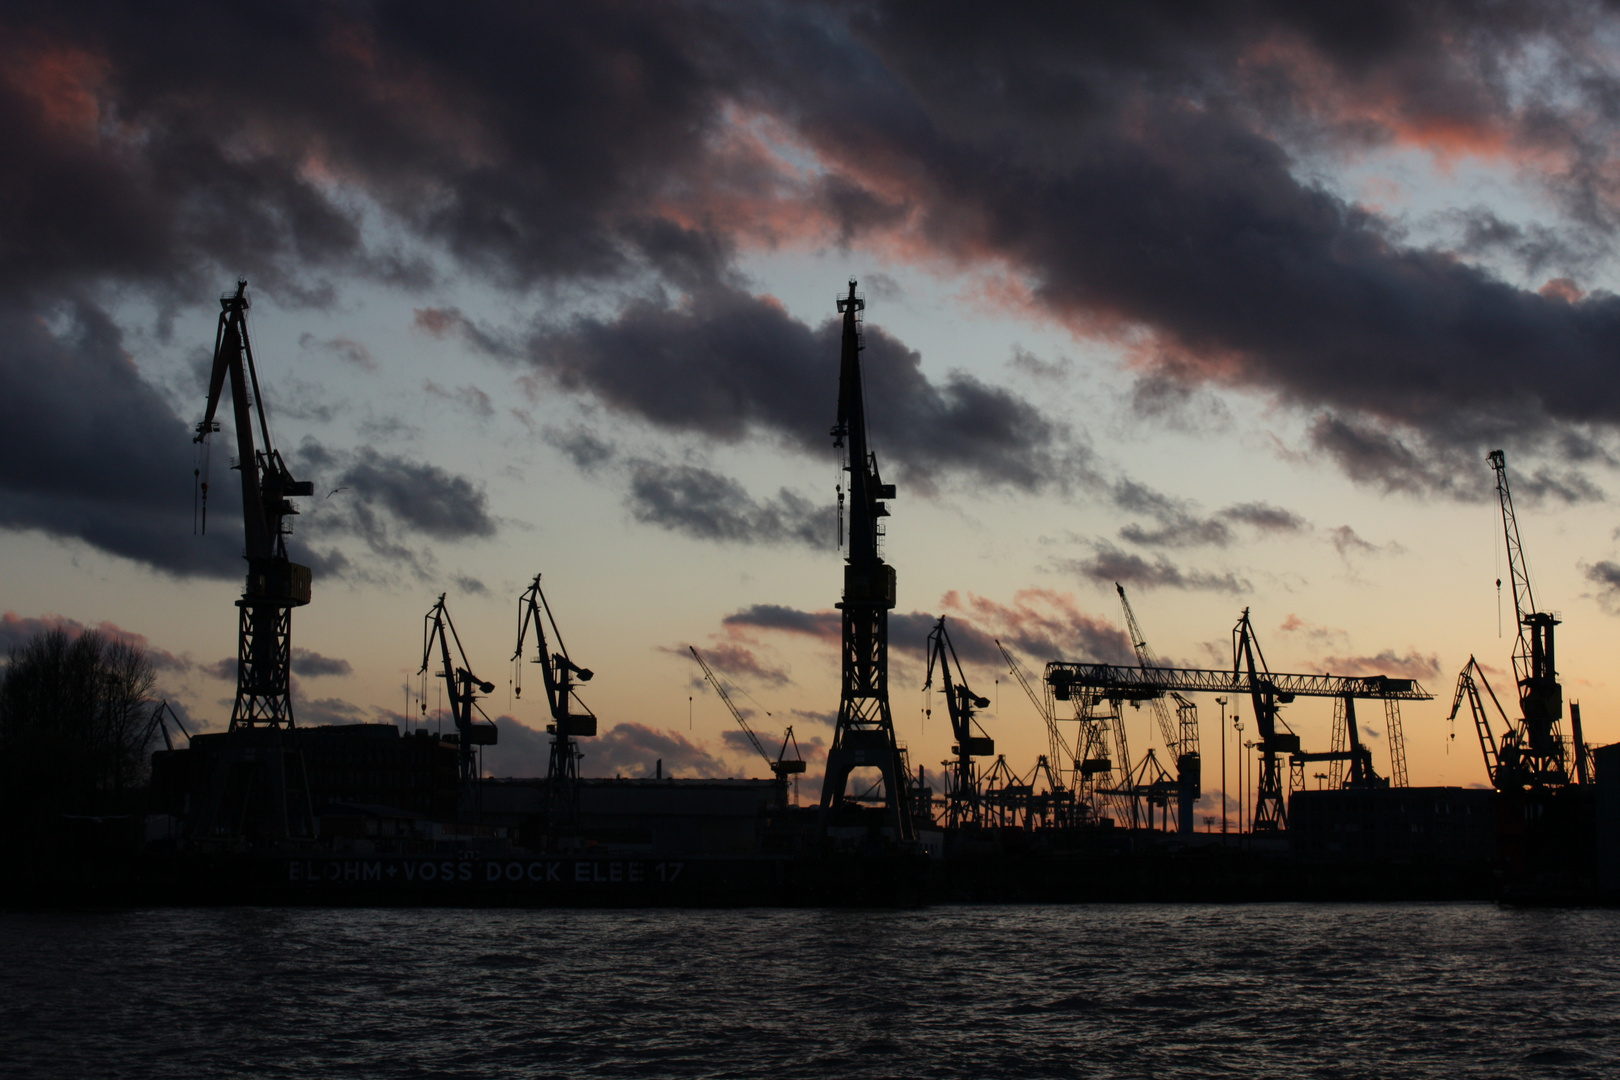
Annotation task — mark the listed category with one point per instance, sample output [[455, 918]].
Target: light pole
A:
[[1246, 761], [1243, 790], [1224, 795]]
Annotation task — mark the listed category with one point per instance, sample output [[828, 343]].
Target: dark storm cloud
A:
[[745, 366], [704, 504], [1137, 167], [89, 451]]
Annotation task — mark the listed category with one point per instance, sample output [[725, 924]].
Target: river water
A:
[[1442, 990]]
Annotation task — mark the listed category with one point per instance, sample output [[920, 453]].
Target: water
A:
[[1084, 991]]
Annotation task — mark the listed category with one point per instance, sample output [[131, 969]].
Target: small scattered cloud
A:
[[343, 349], [1408, 665], [1108, 564], [583, 446], [1606, 576], [737, 660], [311, 664], [467, 397], [706, 505], [630, 749], [17, 630]]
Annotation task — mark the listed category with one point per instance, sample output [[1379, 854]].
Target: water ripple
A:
[[1098, 991]]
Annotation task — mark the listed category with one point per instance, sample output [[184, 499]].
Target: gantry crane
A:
[[864, 735], [1089, 685], [275, 584], [1180, 735], [781, 766], [461, 686], [962, 804], [559, 673]]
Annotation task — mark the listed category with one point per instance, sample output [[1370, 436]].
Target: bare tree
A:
[[73, 731]]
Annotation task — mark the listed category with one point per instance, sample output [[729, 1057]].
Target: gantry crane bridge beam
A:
[[1111, 682]]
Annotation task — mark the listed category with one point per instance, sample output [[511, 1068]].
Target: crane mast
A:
[[963, 807], [781, 766], [864, 735], [559, 674], [1181, 736], [462, 687], [275, 584]]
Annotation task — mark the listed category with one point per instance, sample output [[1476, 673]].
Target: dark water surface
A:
[[1163, 991]]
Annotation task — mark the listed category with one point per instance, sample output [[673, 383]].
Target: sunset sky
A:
[[1226, 302]]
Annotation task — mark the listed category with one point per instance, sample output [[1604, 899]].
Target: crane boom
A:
[[1180, 738], [1058, 745], [736, 713], [781, 766]]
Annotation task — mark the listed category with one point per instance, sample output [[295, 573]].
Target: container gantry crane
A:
[[781, 766], [275, 584], [1180, 735], [463, 689], [962, 806], [864, 735], [559, 673]]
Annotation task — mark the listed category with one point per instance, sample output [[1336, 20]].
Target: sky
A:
[[1226, 302]]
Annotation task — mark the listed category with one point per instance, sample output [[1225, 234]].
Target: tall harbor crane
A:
[[275, 584], [1180, 735], [1531, 755], [461, 686], [1270, 809], [864, 735], [1468, 687], [963, 804], [781, 766], [559, 673]]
